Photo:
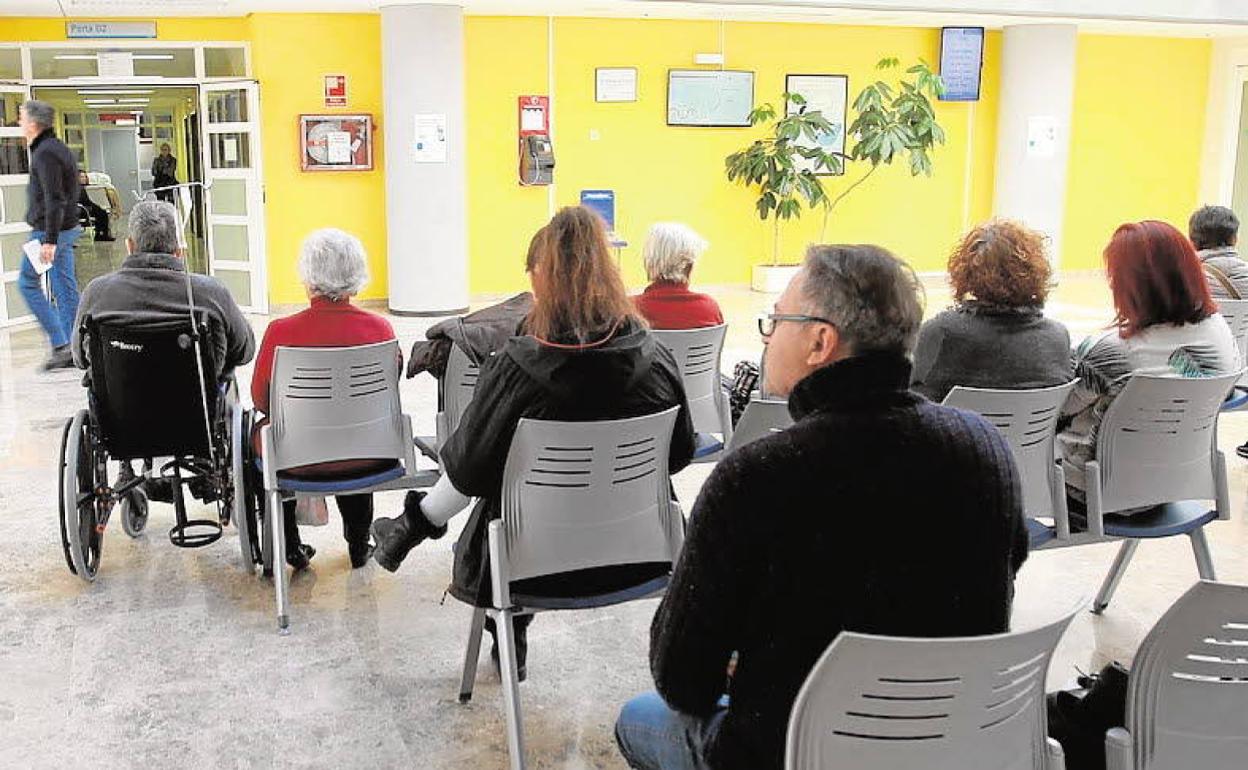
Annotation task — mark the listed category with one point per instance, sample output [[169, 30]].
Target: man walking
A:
[[52, 212]]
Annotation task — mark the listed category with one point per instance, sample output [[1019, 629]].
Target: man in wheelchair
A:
[[149, 291]]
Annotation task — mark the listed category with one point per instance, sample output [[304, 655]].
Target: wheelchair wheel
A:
[[82, 537], [134, 512], [243, 496]]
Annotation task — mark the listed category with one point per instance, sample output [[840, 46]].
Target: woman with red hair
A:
[[1166, 323]]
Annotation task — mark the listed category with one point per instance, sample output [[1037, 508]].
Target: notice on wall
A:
[[1041, 136], [338, 146], [229, 149], [429, 145], [335, 90], [615, 84], [115, 64]]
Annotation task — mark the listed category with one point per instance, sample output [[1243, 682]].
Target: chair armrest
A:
[[1061, 513], [1096, 520], [266, 458], [500, 575], [1219, 481], [1054, 756], [1118, 749]]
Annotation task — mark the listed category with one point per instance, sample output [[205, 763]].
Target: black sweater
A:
[[877, 511], [52, 195]]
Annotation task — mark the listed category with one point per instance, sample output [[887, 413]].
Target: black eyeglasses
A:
[[767, 323]]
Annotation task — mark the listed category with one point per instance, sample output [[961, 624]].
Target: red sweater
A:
[[325, 324], [668, 305]]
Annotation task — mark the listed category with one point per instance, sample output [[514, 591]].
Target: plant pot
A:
[[771, 279]]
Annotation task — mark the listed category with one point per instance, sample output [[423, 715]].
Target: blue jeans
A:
[[57, 321], [653, 736]]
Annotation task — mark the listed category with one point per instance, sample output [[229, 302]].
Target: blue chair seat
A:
[[1237, 399], [1165, 520], [1039, 533], [705, 445], [640, 591], [336, 486]]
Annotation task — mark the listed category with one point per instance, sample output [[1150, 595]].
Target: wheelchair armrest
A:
[[1118, 749]]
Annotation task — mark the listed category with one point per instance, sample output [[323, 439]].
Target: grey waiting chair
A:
[[327, 405], [697, 353], [762, 417], [1028, 421], [455, 392], [1235, 311], [576, 495], [1187, 698], [877, 702]]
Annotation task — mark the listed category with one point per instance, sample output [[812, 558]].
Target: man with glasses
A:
[[877, 511]]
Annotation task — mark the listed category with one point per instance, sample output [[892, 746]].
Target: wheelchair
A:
[[150, 400]]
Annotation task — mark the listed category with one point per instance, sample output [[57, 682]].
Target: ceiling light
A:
[[75, 57], [121, 91], [153, 57]]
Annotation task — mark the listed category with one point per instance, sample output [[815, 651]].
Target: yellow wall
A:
[[289, 55], [1137, 129], [676, 173]]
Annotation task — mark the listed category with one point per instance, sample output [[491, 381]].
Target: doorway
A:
[[119, 158]]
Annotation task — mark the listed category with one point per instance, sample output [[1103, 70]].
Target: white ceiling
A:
[[1196, 18]]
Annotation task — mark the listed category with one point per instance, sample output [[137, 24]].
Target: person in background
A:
[[996, 335], [584, 355], [1166, 323], [669, 254], [52, 213], [773, 567], [333, 269], [1214, 231], [99, 217], [165, 172]]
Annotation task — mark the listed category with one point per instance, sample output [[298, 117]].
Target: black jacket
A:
[[52, 195], [982, 346], [630, 376], [478, 334], [152, 287], [877, 511]]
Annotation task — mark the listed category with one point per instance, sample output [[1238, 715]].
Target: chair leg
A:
[[277, 520], [470, 657], [511, 688], [1115, 575], [1204, 560]]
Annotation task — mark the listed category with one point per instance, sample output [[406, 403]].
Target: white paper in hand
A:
[[32, 249]]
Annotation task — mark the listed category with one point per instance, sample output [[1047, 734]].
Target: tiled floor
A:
[[170, 657]]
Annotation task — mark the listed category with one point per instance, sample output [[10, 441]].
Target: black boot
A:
[[395, 537], [519, 624]]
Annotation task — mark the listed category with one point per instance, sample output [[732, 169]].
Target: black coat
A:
[[877, 511], [52, 195], [630, 376]]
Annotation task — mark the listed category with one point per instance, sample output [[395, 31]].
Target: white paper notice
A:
[[615, 84], [229, 148], [532, 119], [115, 64], [430, 143], [32, 248], [338, 146], [1041, 136]]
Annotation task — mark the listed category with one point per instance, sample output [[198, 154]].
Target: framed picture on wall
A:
[[336, 142], [829, 95]]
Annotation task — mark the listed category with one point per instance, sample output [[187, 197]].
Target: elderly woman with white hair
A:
[[333, 269], [667, 303]]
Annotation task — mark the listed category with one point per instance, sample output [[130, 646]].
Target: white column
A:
[[422, 49], [1037, 89]]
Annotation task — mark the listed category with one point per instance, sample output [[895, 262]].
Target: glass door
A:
[[230, 141], [14, 175]]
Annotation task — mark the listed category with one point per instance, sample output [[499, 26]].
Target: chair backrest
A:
[[578, 495], [1028, 421], [1187, 700], [457, 388], [762, 417], [874, 702], [1157, 441], [328, 404], [145, 387], [1235, 311], [697, 353]]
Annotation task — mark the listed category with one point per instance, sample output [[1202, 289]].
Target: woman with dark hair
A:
[[1166, 323], [582, 354], [995, 335]]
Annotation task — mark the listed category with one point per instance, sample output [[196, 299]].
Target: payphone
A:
[[537, 157]]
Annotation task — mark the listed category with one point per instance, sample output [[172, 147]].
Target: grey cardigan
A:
[[984, 346]]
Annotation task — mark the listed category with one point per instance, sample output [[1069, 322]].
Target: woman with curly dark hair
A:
[[995, 335]]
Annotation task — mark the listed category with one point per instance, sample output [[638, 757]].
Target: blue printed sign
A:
[[961, 62], [603, 203], [79, 30]]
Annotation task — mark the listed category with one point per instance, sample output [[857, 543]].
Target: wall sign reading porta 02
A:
[[336, 142]]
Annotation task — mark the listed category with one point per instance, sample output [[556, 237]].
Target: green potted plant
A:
[[891, 122]]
